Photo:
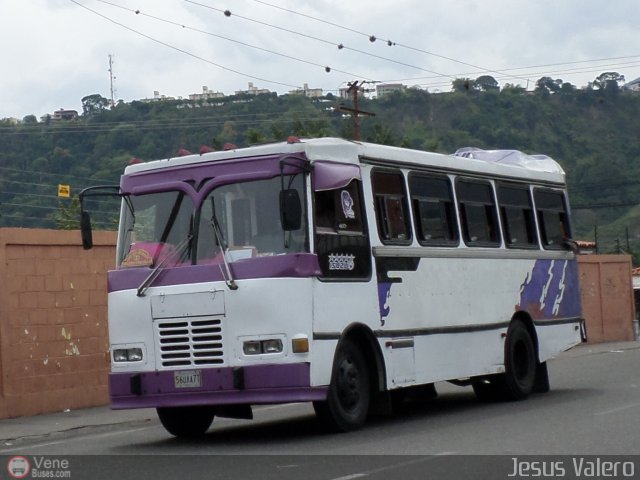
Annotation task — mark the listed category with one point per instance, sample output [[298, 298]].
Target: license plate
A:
[[187, 379]]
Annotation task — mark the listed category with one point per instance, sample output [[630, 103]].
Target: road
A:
[[592, 409]]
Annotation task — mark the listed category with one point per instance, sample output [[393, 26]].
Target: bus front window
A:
[[248, 216], [155, 227]]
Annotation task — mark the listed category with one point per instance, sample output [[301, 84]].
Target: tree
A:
[[30, 120], [93, 104], [463, 85], [547, 85], [487, 83], [68, 217], [608, 81]]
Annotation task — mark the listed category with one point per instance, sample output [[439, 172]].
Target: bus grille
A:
[[190, 342]]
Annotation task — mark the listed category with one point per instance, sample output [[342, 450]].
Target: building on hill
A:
[[307, 92], [60, 115], [383, 89], [206, 94], [633, 85], [252, 90]]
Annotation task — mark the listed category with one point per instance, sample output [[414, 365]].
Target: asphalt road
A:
[[592, 409]]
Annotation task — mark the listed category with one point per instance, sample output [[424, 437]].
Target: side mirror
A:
[[290, 210], [85, 230]]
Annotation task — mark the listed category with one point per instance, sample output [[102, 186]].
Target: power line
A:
[[181, 50], [374, 38], [504, 72], [339, 45], [325, 67]]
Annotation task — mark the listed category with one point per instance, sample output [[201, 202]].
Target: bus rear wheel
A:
[[188, 422], [348, 399], [520, 364]]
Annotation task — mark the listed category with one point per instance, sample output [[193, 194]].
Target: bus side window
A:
[[433, 210], [342, 244], [516, 211], [553, 219], [391, 207], [478, 213]]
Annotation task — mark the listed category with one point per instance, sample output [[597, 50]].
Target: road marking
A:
[[390, 467], [25, 447], [28, 447], [618, 409]]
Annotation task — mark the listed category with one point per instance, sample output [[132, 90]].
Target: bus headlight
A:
[[252, 347], [258, 347], [127, 355], [272, 346]]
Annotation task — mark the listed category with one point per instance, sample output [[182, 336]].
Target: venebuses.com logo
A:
[[38, 467], [18, 467]]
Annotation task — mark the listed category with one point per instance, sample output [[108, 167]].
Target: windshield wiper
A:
[[226, 273], [180, 249]]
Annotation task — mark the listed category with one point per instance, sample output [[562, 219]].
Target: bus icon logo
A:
[[18, 467]]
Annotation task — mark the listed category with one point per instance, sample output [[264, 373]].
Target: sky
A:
[[55, 52]]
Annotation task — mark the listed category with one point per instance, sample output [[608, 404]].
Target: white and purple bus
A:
[[341, 273]]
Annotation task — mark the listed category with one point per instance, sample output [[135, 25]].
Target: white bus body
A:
[[388, 269]]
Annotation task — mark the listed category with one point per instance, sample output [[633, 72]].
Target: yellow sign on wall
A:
[[64, 191]]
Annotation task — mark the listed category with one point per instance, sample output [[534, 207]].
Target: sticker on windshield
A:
[[137, 258], [341, 261], [347, 204]]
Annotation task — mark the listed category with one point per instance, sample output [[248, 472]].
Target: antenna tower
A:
[[112, 79]]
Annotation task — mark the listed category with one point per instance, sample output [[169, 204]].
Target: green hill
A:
[[592, 132]]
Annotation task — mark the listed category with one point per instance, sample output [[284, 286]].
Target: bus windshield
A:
[[241, 219], [247, 216], [152, 226]]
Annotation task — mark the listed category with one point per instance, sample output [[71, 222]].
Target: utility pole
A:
[[354, 89], [112, 79]]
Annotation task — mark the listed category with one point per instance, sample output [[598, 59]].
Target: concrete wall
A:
[[607, 297], [53, 321]]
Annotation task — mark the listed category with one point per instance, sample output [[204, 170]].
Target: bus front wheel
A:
[[187, 422], [348, 399]]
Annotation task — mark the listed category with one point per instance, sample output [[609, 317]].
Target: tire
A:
[[349, 397], [520, 362], [542, 379], [521, 369], [187, 422]]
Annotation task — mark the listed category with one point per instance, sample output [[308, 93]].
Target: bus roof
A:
[[499, 163]]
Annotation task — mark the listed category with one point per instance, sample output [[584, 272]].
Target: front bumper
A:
[[250, 385]]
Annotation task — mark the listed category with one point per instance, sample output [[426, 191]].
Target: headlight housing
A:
[[128, 355], [262, 347]]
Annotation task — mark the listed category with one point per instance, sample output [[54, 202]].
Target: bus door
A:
[[343, 294]]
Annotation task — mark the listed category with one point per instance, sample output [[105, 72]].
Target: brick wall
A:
[[53, 320]]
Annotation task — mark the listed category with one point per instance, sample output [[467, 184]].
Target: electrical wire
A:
[[504, 72], [325, 67], [181, 50], [339, 45]]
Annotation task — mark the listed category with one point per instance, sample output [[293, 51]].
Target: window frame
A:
[[381, 208], [448, 219], [530, 225], [490, 213], [564, 221]]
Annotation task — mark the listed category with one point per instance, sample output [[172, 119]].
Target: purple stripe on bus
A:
[[331, 175], [214, 173], [298, 265], [262, 384]]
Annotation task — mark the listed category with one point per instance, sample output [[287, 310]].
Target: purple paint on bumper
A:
[[260, 384]]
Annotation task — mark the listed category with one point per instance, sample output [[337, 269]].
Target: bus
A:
[[342, 273]]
